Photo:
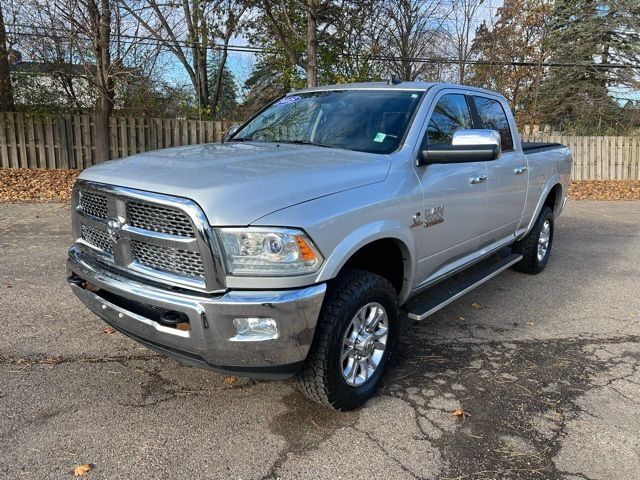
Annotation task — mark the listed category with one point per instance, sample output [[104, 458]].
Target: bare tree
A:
[[6, 90], [319, 17], [94, 18], [358, 35], [231, 16], [102, 39], [411, 28], [164, 21], [464, 20], [189, 30], [56, 54]]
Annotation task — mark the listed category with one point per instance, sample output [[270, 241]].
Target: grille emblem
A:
[[114, 225]]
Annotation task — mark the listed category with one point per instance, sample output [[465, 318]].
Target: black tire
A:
[[528, 246], [321, 377]]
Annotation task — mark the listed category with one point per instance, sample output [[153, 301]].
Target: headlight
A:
[[268, 252]]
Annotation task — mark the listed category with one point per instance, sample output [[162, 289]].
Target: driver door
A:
[[455, 195]]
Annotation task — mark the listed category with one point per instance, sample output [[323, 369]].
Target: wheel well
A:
[[383, 257], [554, 197]]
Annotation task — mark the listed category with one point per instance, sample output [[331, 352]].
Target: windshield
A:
[[365, 120]]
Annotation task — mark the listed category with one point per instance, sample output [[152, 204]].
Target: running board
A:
[[442, 294]]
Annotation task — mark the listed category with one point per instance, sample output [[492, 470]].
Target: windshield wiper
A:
[[304, 142]]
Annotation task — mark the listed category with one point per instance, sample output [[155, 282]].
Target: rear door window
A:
[[450, 115], [492, 116]]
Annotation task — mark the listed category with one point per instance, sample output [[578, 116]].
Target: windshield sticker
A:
[[288, 100], [380, 137]]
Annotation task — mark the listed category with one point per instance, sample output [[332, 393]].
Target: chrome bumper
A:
[[208, 342]]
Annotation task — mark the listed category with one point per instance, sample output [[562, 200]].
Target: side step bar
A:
[[442, 294]]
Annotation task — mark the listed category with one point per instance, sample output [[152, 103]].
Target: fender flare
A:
[[555, 179], [366, 234]]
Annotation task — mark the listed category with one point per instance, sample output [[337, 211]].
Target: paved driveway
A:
[[548, 369]]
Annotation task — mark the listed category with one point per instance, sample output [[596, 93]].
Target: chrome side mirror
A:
[[466, 146], [478, 137]]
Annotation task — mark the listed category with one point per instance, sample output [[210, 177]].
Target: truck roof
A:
[[419, 86]]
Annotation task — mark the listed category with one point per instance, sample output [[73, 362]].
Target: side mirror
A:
[[232, 129], [466, 146]]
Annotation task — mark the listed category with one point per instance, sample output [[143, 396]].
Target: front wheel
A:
[[356, 331], [535, 248]]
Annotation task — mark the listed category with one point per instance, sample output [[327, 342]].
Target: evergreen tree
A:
[[584, 34], [227, 104]]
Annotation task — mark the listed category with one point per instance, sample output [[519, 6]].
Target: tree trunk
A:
[[104, 108], [6, 90], [215, 99], [104, 80], [312, 43], [462, 65], [203, 70]]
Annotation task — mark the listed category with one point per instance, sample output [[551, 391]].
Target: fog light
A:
[[254, 329]]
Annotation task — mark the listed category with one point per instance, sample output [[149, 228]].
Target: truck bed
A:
[[533, 147]]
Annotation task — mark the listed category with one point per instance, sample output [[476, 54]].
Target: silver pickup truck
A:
[[298, 245]]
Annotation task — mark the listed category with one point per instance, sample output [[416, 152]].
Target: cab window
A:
[[450, 115], [492, 116]]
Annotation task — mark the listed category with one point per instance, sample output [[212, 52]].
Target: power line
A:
[[154, 42]]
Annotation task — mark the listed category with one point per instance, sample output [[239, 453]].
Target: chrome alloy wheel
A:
[[543, 240], [364, 343]]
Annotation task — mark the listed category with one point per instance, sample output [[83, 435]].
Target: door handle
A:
[[519, 170], [477, 179]]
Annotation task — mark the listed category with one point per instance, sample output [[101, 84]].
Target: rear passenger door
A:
[[507, 176]]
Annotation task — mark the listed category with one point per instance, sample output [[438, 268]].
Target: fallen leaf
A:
[[476, 305], [9, 285], [460, 413], [184, 326], [461, 318], [82, 470], [230, 380], [530, 323], [39, 184], [605, 190], [108, 331]]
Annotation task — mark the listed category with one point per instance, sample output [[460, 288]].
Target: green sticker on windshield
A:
[[380, 137]]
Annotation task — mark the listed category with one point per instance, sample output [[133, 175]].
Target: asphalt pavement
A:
[[547, 368]]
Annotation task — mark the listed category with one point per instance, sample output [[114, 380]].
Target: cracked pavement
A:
[[548, 369]]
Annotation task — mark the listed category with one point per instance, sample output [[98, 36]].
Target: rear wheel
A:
[[535, 248], [356, 331]]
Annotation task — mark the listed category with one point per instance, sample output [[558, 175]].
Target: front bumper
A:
[[130, 307]]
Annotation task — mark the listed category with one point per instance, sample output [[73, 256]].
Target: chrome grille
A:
[[94, 204], [162, 238], [171, 260], [159, 219], [97, 238]]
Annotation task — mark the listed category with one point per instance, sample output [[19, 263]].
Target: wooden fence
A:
[[599, 158], [68, 141]]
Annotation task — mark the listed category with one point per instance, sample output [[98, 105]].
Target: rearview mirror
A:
[[480, 145]]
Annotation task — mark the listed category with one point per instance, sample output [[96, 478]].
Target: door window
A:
[[492, 116], [450, 115]]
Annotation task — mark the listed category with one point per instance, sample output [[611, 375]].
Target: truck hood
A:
[[238, 183]]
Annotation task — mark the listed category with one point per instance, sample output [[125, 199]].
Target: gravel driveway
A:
[[547, 367]]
